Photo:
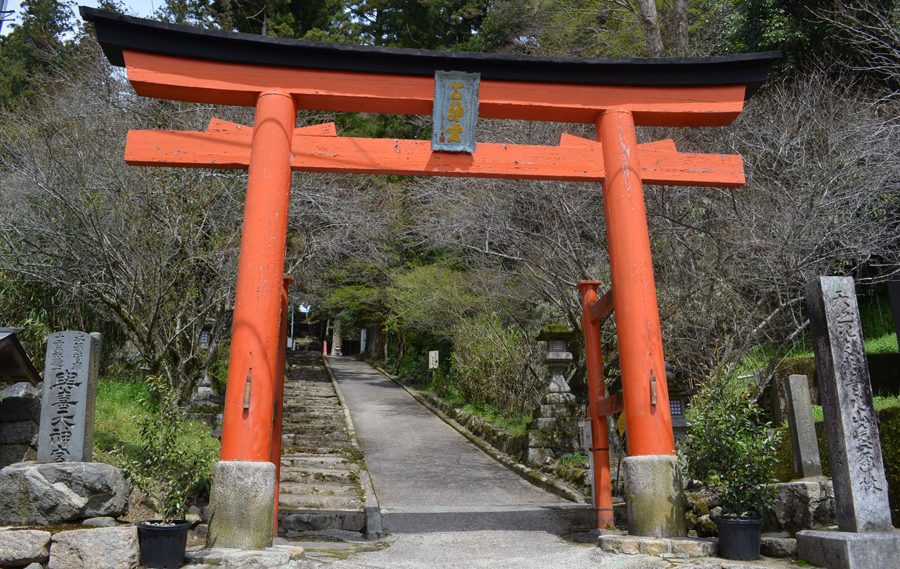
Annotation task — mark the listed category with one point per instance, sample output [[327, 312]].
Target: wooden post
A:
[[644, 389], [252, 369], [601, 484], [279, 398]]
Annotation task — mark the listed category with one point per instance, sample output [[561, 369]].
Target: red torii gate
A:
[[279, 76]]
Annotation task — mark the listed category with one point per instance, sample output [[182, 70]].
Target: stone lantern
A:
[[555, 431]]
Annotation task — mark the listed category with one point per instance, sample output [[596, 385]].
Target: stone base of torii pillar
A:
[[241, 505]]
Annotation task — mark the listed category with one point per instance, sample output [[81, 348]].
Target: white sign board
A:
[[584, 429], [433, 359]]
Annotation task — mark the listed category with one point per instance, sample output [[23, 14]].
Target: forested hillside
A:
[[148, 255]]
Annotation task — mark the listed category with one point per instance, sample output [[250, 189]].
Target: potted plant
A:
[[732, 449], [170, 472]]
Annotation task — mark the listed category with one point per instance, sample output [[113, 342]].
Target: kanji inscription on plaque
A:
[[455, 111]]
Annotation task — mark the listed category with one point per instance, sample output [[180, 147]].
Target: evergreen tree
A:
[[36, 49]]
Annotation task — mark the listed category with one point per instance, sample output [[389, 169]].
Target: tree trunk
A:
[[680, 25], [336, 340], [650, 22]]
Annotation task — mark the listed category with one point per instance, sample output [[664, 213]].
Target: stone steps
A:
[[300, 440], [319, 488], [323, 450], [306, 474], [305, 460], [315, 423], [318, 502], [294, 522]]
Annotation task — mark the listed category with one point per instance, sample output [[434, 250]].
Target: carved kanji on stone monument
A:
[[67, 407]]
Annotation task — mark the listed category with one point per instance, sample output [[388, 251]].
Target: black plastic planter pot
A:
[[162, 546], [739, 538]]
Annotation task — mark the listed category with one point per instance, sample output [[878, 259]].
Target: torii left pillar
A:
[[244, 480]]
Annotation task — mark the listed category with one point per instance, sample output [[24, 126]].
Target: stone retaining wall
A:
[[20, 415]]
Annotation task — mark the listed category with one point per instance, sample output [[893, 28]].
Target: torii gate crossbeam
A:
[[279, 76]]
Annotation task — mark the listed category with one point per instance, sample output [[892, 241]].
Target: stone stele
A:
[[866, 540], [857, 468], [67, 408], [804, 444]]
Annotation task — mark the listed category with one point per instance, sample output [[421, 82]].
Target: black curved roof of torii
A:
[[117, 33]]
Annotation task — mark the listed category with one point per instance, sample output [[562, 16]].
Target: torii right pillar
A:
[[653, 491]]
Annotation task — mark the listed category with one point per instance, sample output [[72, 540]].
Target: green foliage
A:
[[889, 433], [168, 463], [421, 24], [589, 28], [120, 405], [800, 30], [879, 337], [35, 50], [515, 423], [574, 459], [444, 385], [411, 363], [730, 448], [353, 304], [40, 310], [881, 402], [492, 365], [23, 307], [430, 299], [879, 334]]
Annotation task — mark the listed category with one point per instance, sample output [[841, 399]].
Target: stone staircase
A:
[[320, 469]]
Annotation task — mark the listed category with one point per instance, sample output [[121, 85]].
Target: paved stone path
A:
[[428, 477], [319, 486]]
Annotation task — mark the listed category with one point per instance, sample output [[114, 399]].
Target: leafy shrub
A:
[[731, 448], [168, 467], [443, 384], [492, 365]]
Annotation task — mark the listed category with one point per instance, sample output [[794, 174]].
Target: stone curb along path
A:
[[531, 475]]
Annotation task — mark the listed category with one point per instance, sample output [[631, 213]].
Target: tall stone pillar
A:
[[866, 538]]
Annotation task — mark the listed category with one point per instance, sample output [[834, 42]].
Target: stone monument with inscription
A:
[[804, 445], [67, 407], [866, 539]]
